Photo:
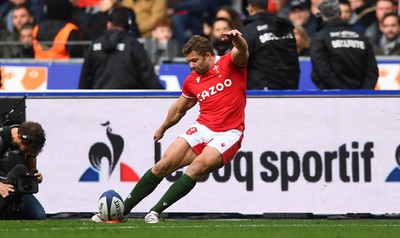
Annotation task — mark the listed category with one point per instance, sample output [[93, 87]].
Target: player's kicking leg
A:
[[221, 148], [209, 160], [178, 155]]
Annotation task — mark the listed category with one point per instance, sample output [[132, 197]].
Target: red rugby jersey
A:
[[221, 93]]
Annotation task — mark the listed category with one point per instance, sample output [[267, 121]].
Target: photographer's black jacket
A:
[[9, 157], [342, 58], [5, 139], [273, 59], [117, 60]]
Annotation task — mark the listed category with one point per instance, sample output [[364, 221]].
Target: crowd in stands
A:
[[188, 17], [64, 29]]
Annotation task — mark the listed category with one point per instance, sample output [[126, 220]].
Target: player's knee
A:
[[162, 168], [197, 170]]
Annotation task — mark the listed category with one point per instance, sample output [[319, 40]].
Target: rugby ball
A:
[[111, 206]]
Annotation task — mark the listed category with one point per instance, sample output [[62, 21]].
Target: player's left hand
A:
[[229, 35], [159, 134], [39, 176]]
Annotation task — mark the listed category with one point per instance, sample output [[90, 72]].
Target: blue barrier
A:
[[65, 75], [182, 70], [166, 94], [305, 75]]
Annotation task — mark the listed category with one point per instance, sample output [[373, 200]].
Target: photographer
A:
[[19, 146]]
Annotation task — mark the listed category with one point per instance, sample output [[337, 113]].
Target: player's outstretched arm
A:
[[175, 114], [240, 52]]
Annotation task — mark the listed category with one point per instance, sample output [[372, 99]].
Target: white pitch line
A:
[[200, 226]]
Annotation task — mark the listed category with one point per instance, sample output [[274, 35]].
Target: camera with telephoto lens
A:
[[27, 184], [23, 181]]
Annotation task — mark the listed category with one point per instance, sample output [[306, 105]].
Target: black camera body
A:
[[27, 184], [24, 182]]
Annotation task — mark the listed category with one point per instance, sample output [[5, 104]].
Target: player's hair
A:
[[32, 136], [199, 44]]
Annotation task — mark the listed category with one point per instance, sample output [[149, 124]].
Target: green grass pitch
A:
[[250, 228]]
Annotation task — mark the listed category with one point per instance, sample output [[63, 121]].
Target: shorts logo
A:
[[394, 176], [191, 131], [222, 144], [100, 150]]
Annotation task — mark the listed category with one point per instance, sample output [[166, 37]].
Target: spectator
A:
[[147, 13], [300, 14], [273, 61], [189, 16], [383, 7], [7, 38], [162, 43], [117, 60], [51, 36], [4, 34], [36, 8], [21, 17], [86, 3], [99, 24], [389, 43], [278, 8], [232, 15], [26, 38], [314, 6], [83, 15], [220, 26], [228, 13], [345, 10], [341, 57], [163, 30], [363, 17], [303, 40]]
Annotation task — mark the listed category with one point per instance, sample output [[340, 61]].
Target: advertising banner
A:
[[23, 78], [322, 155]]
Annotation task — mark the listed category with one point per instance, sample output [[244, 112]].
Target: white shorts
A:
[[227, 143]]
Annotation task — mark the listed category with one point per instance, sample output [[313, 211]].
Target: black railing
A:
[[158, 52]]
